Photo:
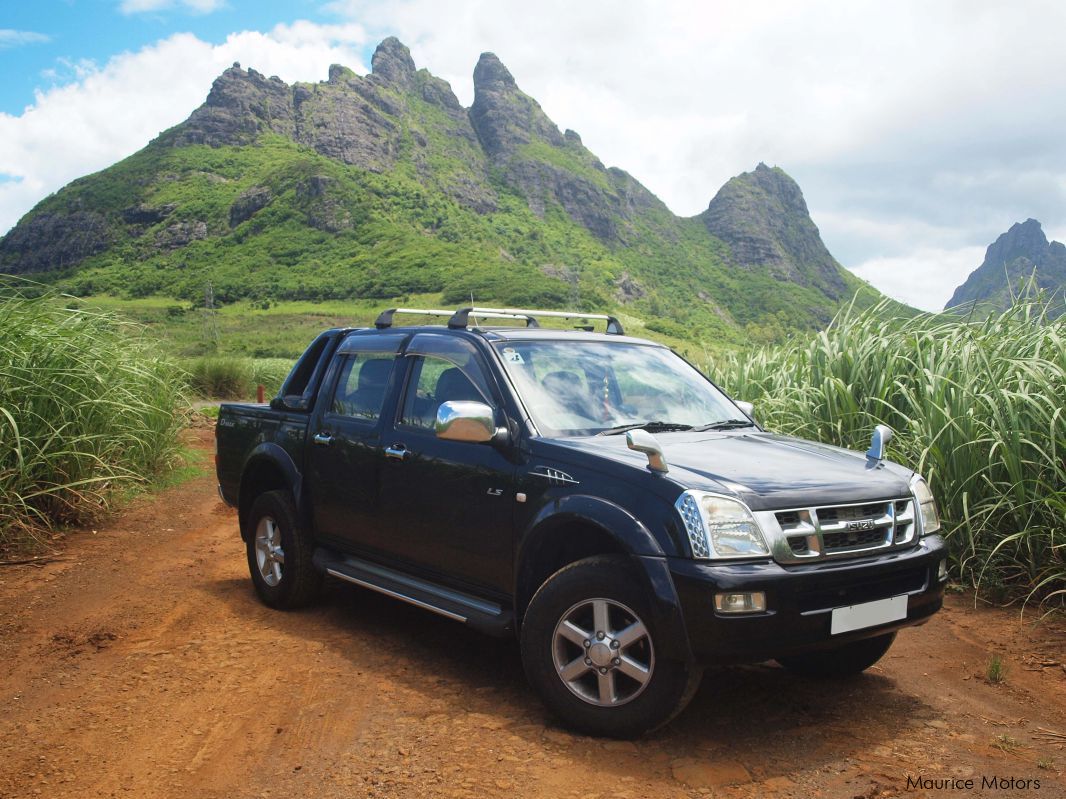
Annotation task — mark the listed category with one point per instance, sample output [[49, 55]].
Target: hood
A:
[[766, 470]]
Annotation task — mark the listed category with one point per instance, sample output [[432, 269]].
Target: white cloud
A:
[[925, 278], [14, 38], [195, 6], [110, 112]]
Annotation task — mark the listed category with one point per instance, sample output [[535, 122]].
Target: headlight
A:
[[720, 527], [926, 505]]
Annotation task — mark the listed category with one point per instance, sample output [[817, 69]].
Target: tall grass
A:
[[87, 408], [223, 377], [977, 407]]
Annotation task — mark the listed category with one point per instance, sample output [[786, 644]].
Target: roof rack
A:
[[460, 319], [384, 319]]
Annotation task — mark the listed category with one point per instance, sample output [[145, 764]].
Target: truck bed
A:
[[246, 428]]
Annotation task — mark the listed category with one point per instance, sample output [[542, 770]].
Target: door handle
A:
[[322, 439], [397, 451]]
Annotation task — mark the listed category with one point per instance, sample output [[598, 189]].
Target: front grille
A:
[[865, 538], [832, 531], [848, 513]]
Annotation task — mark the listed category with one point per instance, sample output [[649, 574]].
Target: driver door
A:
[[450, 502]]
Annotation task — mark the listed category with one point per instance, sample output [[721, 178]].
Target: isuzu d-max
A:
[[593, 494]]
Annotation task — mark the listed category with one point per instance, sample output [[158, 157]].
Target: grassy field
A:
[[229, 350], [89, 407], [977, 408]]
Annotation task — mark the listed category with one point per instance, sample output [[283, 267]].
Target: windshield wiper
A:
[[652, 427], [727, 424]]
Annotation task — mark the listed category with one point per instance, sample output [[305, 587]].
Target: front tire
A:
[[841, 661], [280, 552], [589, 650]]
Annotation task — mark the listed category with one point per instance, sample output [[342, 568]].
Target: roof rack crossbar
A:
[[461, 318], [385, 318]]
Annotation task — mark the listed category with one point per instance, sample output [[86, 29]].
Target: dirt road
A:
[[141, 665]]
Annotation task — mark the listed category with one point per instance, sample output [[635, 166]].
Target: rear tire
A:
[[280, 552], [842, 661], [615, 684]]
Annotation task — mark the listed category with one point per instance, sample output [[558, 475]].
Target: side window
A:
[[434, 380], [362, 384]]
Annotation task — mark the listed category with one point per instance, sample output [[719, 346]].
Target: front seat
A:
[[369, 396], [454, 385]]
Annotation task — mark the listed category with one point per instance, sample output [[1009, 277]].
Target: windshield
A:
[[575, 388]]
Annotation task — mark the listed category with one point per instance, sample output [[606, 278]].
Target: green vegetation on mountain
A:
[[383, 187]]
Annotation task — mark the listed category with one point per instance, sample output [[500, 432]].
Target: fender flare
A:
[[269, 454], [633, 538], [612, 519]]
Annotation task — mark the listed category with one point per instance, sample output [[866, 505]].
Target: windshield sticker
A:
[[511, 355]]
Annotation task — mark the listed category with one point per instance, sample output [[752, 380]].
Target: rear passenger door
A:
[[451, 501], [345, 448]]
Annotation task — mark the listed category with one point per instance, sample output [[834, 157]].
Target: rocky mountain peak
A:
[[1023, 239], [491, 75], [392, 61], [240, 104], [764, 219], [777, 183], [505, 117], [1015, 257]]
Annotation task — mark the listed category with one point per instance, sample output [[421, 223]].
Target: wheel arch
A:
[[268, 468], [578, 527]]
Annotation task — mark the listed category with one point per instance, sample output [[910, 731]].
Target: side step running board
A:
[[473, 611]]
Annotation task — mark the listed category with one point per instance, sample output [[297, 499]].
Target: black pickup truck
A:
[[591, 493]]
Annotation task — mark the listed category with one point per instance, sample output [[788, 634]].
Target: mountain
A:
[[384, 186], [763, 218], [1020, 254]]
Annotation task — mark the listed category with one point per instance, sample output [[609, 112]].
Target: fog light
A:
[[942, 571], [754, 602]]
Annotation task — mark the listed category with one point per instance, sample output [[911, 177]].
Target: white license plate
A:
[[868, 614]]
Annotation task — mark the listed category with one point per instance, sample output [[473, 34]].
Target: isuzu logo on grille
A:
[[860, 524]]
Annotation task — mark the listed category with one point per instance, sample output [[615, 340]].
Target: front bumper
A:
[[800, 600]]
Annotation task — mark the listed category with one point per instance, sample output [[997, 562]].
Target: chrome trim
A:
[[461, 420], [396, 595], [692, 518], [553, 476], [809, 532]]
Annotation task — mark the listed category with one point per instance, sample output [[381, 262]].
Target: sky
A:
[[918, 131]]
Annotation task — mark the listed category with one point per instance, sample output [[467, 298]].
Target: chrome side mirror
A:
[[747, 407], [643, 441], [878, 441], [465, 421]]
